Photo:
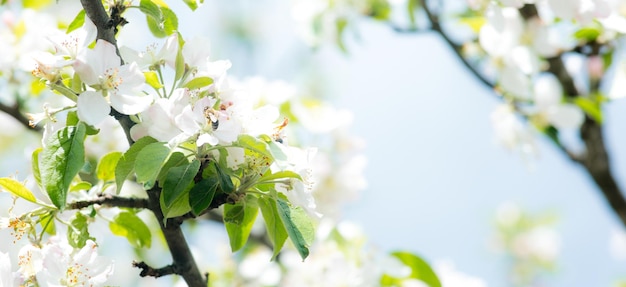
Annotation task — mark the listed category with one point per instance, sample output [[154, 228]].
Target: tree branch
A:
[[184, 263], [111, 200], [457, 49], [14, 111]]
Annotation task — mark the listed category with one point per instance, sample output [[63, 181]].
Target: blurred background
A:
[[436, 177]]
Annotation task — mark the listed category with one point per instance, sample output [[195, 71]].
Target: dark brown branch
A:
[[14, 111], [183, 261], [179, 249], [147, 270], [111, 200]]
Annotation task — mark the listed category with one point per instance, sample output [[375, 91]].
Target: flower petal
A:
[[92, 107]]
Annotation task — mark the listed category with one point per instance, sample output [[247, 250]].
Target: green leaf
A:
[[129, 225], [47, 223], [379, 9], [180, 61], [152, 79], [151, 10], [170, 23], [274, 225], [588, 33], [61, 161], [226, 183], [126, 163], [590, 107], [238, 221], [280, 175], [298, 225], [77, 232], [106, 167], [83, 185], [198, 83], [201, 195], [253, 144], [341, 24], [420, 270], [179, 207], [175, 159], [177, 180], [35, 165], [78, 22], [35, 4], [149, 162], [17, 188], [192, 4], [155, 27]]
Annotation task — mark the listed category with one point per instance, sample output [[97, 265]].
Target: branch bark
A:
[[596, 159], [184, 263], [111, 200], [14, 111]]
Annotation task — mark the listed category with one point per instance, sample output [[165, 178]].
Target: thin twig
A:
[[14, 111], [111, 200]]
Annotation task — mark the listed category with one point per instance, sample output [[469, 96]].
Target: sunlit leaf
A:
[[238, 220], [298, 225], [126, 163], [17, 188], [61, 160], [106, 167], [273, 223], [129, 225]]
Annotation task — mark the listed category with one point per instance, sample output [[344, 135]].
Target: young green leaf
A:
[[274, 225], [17, 188], [420, 270], [78, 22], [77, 232], [238, 221], [177, 180], [298, 225], [170, 21], [254, 144], [83, 185], [226, 183], [106, 167], [152, 79], [61, 160], [179, 207], [129, 225], [149, 162], [201, 195], [47, 223], [126, 163], [35, 165], [192, 4], [151, 10], [198, 83], [175, 159]]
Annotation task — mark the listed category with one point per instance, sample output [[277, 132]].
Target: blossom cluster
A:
[[527, 46]]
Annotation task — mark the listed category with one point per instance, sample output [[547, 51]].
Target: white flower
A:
[[72, 44], [63, 266], [548, 101], [92, 107], [101, 69], [30, 260], [502, 31], [148, 58], [510, 131], [6, 276]]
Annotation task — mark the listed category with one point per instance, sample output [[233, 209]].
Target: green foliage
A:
[[61, 161], [177, 180], [78, 22], [192, 4], [152, 79], [126, 164], [420, 270], [17, 189], [47, 222], [162, 21], [239, 219], [35, 165], [106, 167], [149, 162], [202, 193], [590, 107], [273, 223], [198, 83], [77, 232], [129, 225], [588, 33], [298, 225]]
